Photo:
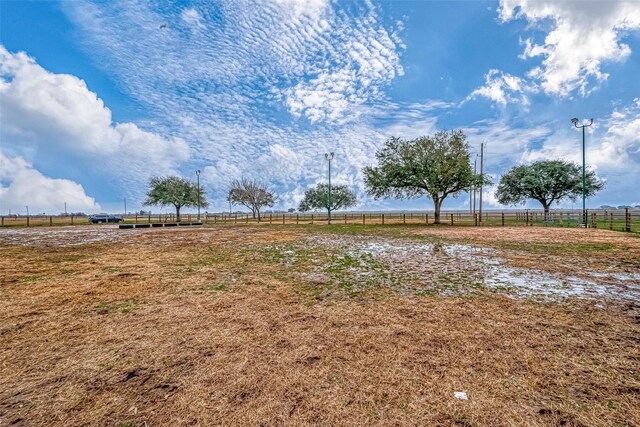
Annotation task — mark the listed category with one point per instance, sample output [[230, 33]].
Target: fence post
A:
[[382, 219], [50, 220], [475, 219], [283, 218], [627, 220], [363, 216], [561, 220], [451, 219], [27, 220], [297, 218], [426, 218], [311, 218], [611, 221], [526, 220], [503, 219], [345, 218], [136, 218]]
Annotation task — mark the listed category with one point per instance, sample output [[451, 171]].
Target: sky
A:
[[96, 97]]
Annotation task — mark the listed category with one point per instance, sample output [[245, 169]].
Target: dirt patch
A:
[[216, 326]]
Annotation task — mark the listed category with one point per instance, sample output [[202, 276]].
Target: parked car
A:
[[100, 218]]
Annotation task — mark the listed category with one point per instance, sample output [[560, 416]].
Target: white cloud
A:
[[503, 88], [583, 36], [50, 112], [192, 17], [21, 185], [317, 59]]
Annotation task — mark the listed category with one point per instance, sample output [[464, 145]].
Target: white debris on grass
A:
[[460, 395]]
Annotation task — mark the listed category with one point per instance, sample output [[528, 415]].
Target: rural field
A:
[[342, 325]]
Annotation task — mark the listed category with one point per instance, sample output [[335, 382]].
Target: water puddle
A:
[[460, 268]]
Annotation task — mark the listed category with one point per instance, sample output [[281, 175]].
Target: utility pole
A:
[[475, 171], [329, 157], [27, 206], [65, 208], [198, 178], [125, 206], [470, 198], [584, 174], [481, 174]]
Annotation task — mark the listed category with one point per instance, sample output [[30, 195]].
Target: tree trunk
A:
[[177, 213], [545, 205], [253, 211], [258, 212], [436, 203]]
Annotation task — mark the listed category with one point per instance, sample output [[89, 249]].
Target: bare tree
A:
[[252, 194]]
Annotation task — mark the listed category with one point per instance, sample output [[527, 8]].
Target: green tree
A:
[[176, 191], [432, 166], [252, 194], [547, 182], [318, 198]]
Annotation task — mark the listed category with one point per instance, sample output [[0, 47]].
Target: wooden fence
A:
[[621, 220]]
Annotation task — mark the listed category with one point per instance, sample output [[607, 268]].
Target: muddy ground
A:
[[342, 325]]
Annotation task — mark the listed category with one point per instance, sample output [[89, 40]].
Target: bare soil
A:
[[270, 325]]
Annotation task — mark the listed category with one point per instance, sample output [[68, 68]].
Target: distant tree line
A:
[[434, 167]]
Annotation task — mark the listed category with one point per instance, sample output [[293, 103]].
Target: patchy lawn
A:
[[341, 325]]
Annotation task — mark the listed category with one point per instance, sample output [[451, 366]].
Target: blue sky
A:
[[97, 97]]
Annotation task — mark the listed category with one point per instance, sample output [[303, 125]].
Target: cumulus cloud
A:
[[44, 112], [21, 185], [621, 144], [503, 88], [582, 36]]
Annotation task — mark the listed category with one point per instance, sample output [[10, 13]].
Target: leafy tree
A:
[[547, 182], [318, 198], [251, 194], [432, 166], [176, 191]]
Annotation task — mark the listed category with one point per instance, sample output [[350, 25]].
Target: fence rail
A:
[[620, 220]]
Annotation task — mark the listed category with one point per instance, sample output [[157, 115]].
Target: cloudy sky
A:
[[97, 97]]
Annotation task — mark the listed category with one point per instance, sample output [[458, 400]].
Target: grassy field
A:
[[344, 325]]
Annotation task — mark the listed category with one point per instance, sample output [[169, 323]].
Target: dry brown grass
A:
[[200, 327]]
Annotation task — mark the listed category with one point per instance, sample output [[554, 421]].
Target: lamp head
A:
[[198, 172], [575, 121]]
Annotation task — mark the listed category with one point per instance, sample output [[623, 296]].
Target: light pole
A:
[[198, 180], [329, 157], [584, 175], [481, 183]]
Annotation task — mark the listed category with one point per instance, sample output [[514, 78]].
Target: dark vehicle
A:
[[104, 218]]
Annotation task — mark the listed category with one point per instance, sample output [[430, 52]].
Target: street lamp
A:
[[329, 157], [584, 179], [198, 180]]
